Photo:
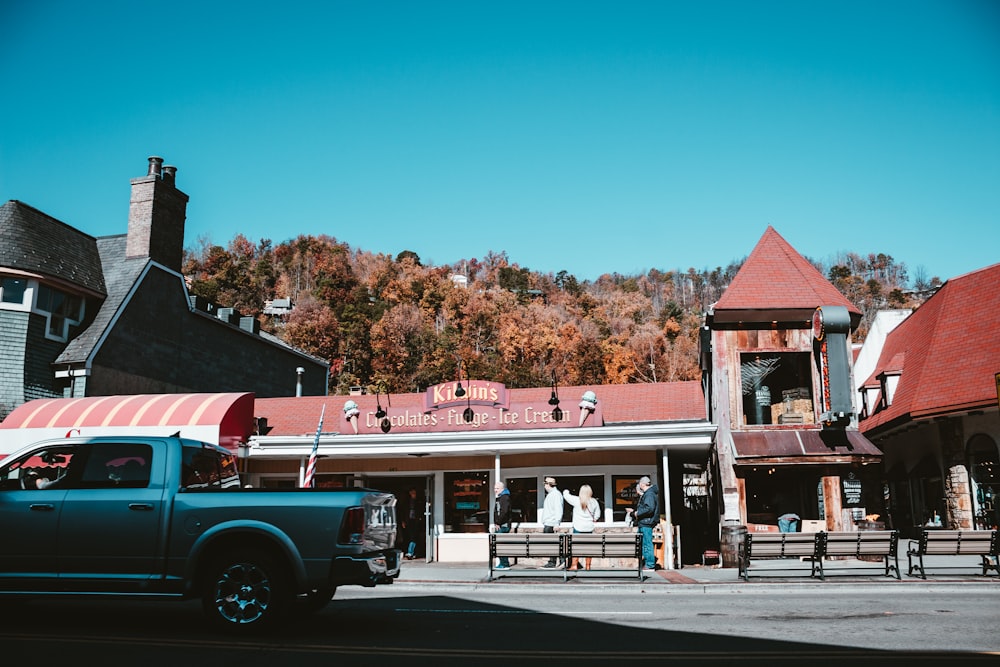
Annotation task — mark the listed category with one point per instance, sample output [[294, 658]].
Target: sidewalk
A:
[[940, 570]]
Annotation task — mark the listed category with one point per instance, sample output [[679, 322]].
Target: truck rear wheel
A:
[[246, 590]]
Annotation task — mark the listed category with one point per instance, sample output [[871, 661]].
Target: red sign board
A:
[[484, 406]]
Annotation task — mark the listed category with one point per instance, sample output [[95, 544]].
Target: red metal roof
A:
[[231, 412], [802, 442], [946, 352], [776, 277]]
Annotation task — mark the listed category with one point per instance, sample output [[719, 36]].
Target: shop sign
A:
[[482, 406], [852, 490]]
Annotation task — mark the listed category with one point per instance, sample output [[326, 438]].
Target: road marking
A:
[[518, 611]]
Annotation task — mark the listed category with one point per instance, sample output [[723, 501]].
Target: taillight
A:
[[352, 527]]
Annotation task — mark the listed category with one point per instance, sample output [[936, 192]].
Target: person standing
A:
[[586, 512], [412, 523], [552, 511], [647, 515], [501, 516]]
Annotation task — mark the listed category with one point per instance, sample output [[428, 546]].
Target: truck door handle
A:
[[140, 507], [41, 507]]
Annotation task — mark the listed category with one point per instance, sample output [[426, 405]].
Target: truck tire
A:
[[246, 590]]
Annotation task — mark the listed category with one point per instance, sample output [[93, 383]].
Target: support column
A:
[[832, 503], [957, 490], [668, 521]]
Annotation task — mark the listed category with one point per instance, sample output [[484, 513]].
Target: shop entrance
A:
[[413, 512]]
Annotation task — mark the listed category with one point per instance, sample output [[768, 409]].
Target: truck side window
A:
[[117, 465], [40, 469], [208, 467]]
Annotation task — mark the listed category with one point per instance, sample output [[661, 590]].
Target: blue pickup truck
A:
[[167, 517]]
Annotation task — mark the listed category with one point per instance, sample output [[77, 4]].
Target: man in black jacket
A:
[[647, 515], [501, 516]]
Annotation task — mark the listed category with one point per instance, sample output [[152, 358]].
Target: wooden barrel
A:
[[729, 544]]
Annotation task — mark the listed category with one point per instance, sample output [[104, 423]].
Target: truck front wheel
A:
[[316, 599], [246, 590]]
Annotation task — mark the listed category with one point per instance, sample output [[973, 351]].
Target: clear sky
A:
[[591, 137]]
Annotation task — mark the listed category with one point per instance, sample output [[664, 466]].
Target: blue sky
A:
[[591, 137]]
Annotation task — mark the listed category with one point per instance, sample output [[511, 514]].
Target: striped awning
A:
[[225, 418]]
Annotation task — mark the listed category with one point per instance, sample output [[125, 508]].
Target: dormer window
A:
[[888, 381], [12, 290], [61, 310], [869, 400]]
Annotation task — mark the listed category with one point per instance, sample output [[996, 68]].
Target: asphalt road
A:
[[545, 625]]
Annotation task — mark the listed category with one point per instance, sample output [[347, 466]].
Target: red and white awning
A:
[[225, 419]]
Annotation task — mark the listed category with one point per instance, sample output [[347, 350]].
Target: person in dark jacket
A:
[[647, 515], [501, 516], [412, 523]]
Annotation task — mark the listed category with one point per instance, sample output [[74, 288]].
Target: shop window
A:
[[776, 388], [573, 484], [523, 499], [326, 481], [468, 502], [278, 483], [985, 466], [61, 309], [12, 290], [626, 494]]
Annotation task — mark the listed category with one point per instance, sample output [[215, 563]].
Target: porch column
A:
[[668, 521], [832, 505]]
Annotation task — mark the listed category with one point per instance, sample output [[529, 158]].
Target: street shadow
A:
[[410, 630]]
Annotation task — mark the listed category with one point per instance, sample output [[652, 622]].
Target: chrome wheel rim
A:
[[242, 593]]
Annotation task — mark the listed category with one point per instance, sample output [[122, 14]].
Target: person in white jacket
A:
[[552, 511], [586, 512]]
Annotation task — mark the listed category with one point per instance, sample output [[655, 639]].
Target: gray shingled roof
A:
[[120, 274], [38, 243]]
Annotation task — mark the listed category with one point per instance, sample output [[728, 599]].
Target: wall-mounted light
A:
[[557, 412], [380, 413], [459, 390], [467, 415]]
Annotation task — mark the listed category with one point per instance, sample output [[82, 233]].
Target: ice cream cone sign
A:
[[351, 412], [587, 405]]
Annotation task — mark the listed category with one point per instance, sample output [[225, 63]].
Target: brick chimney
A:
[[156, 216]]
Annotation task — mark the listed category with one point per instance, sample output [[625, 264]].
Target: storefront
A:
[[450, 449], [831, 478]]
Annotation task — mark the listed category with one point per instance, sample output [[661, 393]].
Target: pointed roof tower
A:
[[777, 284]]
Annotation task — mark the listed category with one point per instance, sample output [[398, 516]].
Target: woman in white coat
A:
[[586, 512]]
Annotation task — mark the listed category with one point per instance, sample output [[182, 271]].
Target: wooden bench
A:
[[883, 544], [565, 546], [526, 545], [777, 545], [982, 543], [606, 545]]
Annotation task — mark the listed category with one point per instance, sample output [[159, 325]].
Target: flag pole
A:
[[309, 480]]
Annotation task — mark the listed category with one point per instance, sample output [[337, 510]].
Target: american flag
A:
[[311, 468]]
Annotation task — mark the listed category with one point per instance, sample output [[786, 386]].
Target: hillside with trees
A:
[[396, 324]]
